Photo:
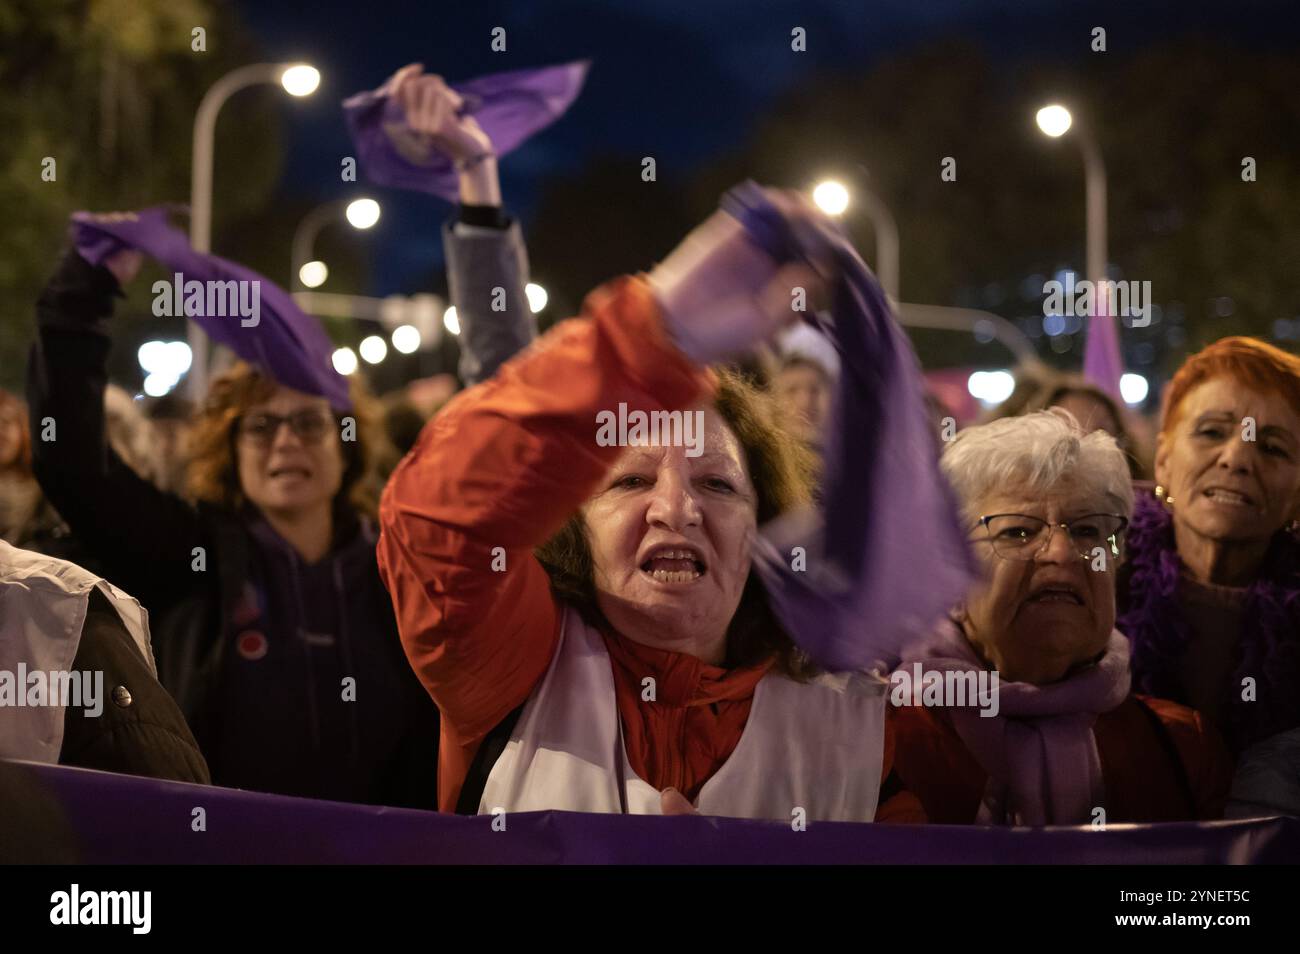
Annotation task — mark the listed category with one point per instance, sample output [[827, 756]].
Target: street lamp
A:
[[1055, 120], [360, 213], [831, 197], [537, 297], [313, 274], [298, 79], [886, 232]]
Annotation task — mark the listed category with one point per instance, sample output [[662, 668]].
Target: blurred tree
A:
[[603, 222], [108, 89], [1174, 123]]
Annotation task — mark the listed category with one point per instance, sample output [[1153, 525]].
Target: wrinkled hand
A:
[[431, 109], [673, 802], [722, 295]]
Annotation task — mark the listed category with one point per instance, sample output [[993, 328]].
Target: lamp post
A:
[[298, 79], [360, 213], [1102, 361], [1055, 121], [832, 197], [886, 231]]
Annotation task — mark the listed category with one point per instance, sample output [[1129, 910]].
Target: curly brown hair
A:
[[782, 471], [213, 472]]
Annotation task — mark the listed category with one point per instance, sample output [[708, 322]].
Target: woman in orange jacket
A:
[[577, 597]]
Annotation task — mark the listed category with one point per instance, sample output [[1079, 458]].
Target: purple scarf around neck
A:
[[1270, 644], [1039, 750]]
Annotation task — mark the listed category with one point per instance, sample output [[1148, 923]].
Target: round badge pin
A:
[[251, 645]]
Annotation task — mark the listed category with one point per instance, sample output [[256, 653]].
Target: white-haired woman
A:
[[1059, 734]]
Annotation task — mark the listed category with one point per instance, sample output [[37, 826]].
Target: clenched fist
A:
[[721, 295], [432, 112]]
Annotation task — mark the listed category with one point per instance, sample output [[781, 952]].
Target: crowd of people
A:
[[518, 617]]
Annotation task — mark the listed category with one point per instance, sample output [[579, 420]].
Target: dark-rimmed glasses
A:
[[309, 427]]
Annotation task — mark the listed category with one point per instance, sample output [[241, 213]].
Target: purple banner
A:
[[121, 819]]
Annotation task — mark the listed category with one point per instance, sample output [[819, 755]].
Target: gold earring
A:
[[1163, 496]]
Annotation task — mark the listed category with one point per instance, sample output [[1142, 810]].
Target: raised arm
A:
[[487, 262], [501, 468], [143, 536], [495, 474]]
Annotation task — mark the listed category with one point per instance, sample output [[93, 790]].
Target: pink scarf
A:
[[1039, 750]]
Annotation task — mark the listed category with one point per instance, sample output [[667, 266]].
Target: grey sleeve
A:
[[487, 270]]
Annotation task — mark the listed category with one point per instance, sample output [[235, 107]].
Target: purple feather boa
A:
[[1270, 644]]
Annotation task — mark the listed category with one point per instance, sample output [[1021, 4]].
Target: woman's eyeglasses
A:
[[308, 426], [1018, 536]]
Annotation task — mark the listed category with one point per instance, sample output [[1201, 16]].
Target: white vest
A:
[[43, 604], [816, 746]]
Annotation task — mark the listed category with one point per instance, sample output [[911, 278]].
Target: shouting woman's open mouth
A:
[[673, 565]]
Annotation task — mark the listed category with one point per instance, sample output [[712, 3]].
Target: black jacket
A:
[[140, 730]]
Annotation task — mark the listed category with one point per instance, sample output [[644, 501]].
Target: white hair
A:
[[804, 341], [1035, 452]]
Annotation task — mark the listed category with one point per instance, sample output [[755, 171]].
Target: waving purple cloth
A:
[[274, 334], [886, 558], [510, 107], [1102, 364]]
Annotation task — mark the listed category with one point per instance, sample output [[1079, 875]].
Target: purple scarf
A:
[[510, 107], [1039, 750], [1270, 645], [887, 557], [284, 342]]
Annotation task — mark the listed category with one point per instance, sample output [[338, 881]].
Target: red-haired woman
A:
[[1210, 593]]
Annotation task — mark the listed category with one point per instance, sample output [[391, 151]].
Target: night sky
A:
[[683, 80]]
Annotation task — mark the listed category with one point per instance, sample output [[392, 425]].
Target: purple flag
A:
[[510, 107], [886, 557], [1102, 364], [274, 334]]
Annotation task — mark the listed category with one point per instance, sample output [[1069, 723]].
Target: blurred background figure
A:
[[26, 519], [170, 422], [1040, 388], [804, 387], [130, 434], [802, 375]]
